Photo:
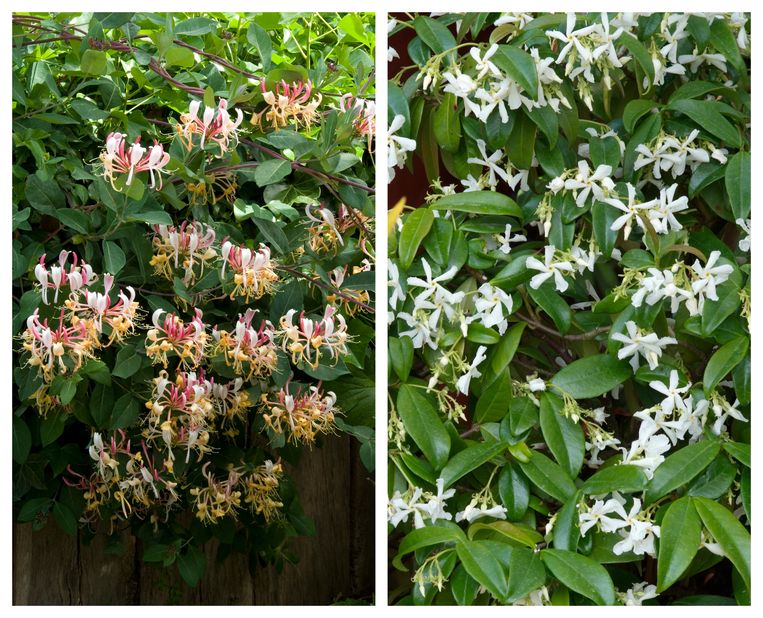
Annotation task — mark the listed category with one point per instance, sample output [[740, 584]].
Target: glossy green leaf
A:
[[738, 184], [416, 227], [427, 537], [483, 566], [437, 36], [562, 435], [623, 478], [591, 376], [548, 299], [580, 574], [514, 532], [635, 109], [494, 401], [470, 459], [680, 538], [480, 203], [423, 424], [401, 355], [566, 529], [520, 66], [526, 573], [732, 536], [680, 467], [549, 477], [708, 118], [723, 361], [514, 491]]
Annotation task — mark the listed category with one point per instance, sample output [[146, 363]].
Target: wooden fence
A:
[[336, 491]]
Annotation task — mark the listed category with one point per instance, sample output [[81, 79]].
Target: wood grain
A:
[[336, 491]]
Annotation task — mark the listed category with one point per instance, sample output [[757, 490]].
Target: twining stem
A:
[[592, 334], [325, 286]]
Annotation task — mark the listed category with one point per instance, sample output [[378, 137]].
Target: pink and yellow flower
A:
[[137, 159]]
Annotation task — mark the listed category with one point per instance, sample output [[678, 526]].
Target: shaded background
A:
[[336, 492]]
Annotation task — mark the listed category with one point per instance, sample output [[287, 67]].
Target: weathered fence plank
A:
[[335, 490]]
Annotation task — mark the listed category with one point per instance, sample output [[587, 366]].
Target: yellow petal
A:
[[394, 214]]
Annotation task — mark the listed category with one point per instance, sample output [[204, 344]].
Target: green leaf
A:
[[51, 427], [705, 175], [581, 574], [520, 66], [723, 40], [493, 404], [179, 56], [623, 478], [521, 142], [154, 217], [427, 537], [260, 40], [553, 304], [514, 532], [681, 467], [708, 118], [73, 219], [93, 62], [548, 477], [401, 355], [128, 362], [470, 459], [502, 354], [97, 371], [741, 452], [101, 405], [21, 440], [715, 312], [562, 435], [463, 586], [126, 412], [352, 25], [271, 171], [723, 361], [732, 536], [591, 376], [640, 53], [191, 565], [602, 218], [680, 538], [479, 203], [636, 109], [416, 227], [514, 491], [423, 424], [483, 566], [113, 257], [477, 333], [566, 529], [437, 37], [65, 518], [447, 124], [195, 26], [738, 184], [526, 573]]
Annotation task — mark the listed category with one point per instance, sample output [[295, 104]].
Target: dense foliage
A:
[[570, 309], [193, 271]]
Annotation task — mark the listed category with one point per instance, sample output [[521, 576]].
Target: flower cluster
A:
[[137, 159], [215, 125], [250, 351], [188, 247], [302, 415], [173, 336], [253, 271], [288, 103], [309, 340]]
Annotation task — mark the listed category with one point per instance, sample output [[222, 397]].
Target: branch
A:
[[581, 337], [325, 286]]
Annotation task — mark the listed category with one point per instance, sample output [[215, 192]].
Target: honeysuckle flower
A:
[[598, 515], [187, 246], [584, 183], [364, 111], [462, 385], [47, 347], [309, 340], [744, 243], [250, 351], [639, 342], [219, 498], [215, 125], [491, 162], [95, 308], [493, 306], [638, 593], [506, 239], [79, 275], [261, 489], [288, 102], [136, 159], [325, 236], [254, 272], [188, 341], [397, 146], [549, 268], [302, 415]]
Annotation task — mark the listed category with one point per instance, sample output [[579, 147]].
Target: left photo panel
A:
[[193, 308]]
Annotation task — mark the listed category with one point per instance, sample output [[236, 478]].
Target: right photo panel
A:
[[569, 309]]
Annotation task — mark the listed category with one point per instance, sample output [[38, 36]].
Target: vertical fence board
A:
[[335, 490]]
